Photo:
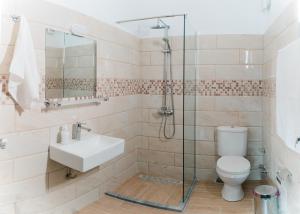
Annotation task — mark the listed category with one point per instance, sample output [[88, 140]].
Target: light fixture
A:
[[79, 30], [266, 5]]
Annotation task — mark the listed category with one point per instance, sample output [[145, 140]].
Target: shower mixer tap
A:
[[166, 111]]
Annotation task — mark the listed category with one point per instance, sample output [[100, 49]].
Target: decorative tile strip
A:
[[206, 87], [269, 87], [80, 84], [54, 83], [157, 87], [71, 83], [113, 87], [229, 88], [118, 87]]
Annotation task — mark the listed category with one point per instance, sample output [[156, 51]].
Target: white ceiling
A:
[[206, 16]]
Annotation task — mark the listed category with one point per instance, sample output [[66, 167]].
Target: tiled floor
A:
[[205, 199]]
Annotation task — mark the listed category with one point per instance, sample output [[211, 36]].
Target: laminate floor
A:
[[205, 199]]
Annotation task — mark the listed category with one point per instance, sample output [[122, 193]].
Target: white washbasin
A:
[[90, 152]]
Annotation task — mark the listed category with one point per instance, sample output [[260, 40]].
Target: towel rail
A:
[[59, 103]]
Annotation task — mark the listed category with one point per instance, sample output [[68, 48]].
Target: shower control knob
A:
[[165, 111]]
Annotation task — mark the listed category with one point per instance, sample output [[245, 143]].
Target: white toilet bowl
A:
[[233, 170]]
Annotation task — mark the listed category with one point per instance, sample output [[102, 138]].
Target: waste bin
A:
[[266, 199]]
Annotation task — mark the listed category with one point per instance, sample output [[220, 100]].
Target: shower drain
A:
[[160, 180]]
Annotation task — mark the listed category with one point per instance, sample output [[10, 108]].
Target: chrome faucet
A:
[[76, 130]]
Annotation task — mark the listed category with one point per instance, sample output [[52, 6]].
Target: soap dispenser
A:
[[65, 135]]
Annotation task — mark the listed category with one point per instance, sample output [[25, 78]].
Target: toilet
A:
[[232, 167]]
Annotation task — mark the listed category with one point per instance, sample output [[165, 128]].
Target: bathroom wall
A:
[[249, 12], [29, 181], [283, 31], [229, 92], [229, 89]]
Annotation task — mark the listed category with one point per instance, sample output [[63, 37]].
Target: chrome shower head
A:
[[160, 25]]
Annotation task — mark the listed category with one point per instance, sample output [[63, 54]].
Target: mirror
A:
[[70, 65]]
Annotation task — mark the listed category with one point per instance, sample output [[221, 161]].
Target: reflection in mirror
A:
[[54, 63], [70, 65]]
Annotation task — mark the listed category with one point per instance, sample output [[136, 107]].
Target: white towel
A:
[[24, 79], [288, 94]]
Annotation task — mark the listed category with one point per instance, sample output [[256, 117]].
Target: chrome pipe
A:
[[148, 18]]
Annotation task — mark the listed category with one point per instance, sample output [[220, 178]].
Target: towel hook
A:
[[15, 18]]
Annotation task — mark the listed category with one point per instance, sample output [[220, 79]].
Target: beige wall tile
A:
[[239, 72], [165, 171], [48, 201], [156, 157], [6, 172], [240, 41], [206, 162], [218, 57], [238, 103], [206, 72], [207, 42], [7, 114], [204, 133], [203, 103], [172, 145], [23, 144], [23, 190], [251, 57], [30, 166], [206, 148], [250, 118], [213, 118]]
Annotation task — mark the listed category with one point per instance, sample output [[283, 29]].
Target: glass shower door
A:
[[189, 109], [166, 174]]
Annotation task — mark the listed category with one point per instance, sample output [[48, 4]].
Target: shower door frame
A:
[[186, 194]]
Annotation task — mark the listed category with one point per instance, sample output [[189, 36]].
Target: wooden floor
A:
[[206, 199], [168, 193]]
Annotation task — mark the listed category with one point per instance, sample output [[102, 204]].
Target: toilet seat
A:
[[233, 165]]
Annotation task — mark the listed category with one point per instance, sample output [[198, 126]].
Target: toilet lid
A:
[[233, 165]]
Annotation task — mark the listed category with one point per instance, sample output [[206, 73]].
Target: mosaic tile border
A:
[[113, 87], [71, 83], [229, 88], [269, 87], [206, 87]]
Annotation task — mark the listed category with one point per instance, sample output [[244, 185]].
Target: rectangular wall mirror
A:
[[71, 65]]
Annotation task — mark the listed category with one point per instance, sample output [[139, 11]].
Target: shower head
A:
[[160, 25]]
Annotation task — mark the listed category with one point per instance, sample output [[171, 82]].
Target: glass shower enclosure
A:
[[166, 161]]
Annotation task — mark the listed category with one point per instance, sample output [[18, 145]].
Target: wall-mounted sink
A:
[[91, 151]]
